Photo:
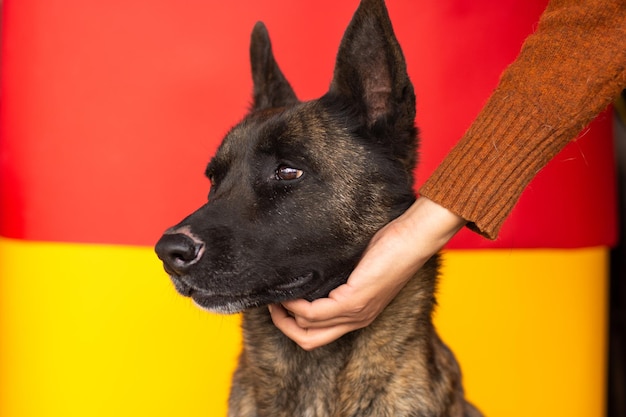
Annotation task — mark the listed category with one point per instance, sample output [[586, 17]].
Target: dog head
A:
[[299, 188]]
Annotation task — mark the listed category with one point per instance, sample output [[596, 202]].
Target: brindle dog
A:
[[297, 191]]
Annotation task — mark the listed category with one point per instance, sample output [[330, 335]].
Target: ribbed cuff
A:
[[483, 176]]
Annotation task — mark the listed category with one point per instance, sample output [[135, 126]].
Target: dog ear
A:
[[371, 71], [271, 88]]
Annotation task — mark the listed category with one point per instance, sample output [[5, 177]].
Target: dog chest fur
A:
[[392, 368]]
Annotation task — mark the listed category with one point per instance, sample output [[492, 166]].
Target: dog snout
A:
[[179, 252]]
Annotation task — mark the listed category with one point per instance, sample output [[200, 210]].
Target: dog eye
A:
[[287, 173], [213, 186]]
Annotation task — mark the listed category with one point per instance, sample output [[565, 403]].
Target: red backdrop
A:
[[112, 109]]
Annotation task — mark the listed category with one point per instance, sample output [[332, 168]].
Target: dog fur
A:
[[297, 191]]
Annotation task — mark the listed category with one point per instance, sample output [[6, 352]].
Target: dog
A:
[[298, 189]]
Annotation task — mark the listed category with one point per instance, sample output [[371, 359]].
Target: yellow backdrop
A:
[[91, 330]]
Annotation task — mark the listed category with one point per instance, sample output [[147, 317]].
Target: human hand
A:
[[394, 255]]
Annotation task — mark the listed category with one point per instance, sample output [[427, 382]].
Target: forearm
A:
[[566, 73]]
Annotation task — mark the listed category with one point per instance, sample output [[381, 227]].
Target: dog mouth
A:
[[302, 286], [296, 283]]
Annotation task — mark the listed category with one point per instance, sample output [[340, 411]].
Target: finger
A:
[[307, 339], [323, 312], [287, 324], [282, 318]]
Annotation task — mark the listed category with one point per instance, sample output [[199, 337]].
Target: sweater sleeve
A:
[[567, 72]]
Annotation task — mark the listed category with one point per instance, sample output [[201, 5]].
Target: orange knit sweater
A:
[[567, 72]]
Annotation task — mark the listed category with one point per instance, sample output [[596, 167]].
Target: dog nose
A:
[[178, 252]]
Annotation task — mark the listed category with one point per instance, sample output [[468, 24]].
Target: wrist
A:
[[430, 224]]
